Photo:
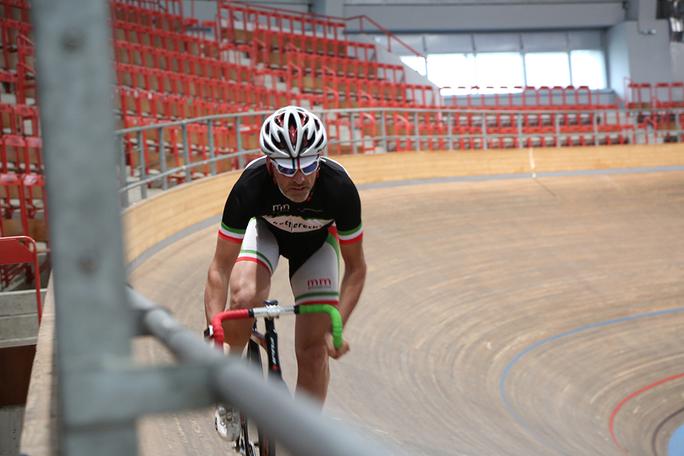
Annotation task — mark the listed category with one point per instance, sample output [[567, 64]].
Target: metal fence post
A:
[[122, 170], [143, 164], [241, 157], [93, 324], [450, 127], [186, 152], [520, 131], [162, 160], [212, 151], [484, 130], [594, 123], [556, 121], [384, 131], [351, 134], [416, 130], [635, 128]]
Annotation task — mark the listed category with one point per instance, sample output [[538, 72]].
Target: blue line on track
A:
[[520, 355], [676, 445], [528, 175], [147, 254]]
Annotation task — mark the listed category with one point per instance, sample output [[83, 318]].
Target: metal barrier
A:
[[100, 389], [150, 158]]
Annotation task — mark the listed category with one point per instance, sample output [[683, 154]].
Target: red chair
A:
[[10, 31], [33, 154], [22, 249], [22, 193], [9, 124], [640, 95], [13, 152], [17, 10], [26, 77], [669, 95]]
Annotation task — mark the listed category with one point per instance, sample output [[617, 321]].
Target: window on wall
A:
[[588, 69], [547, 69], [452, 72], [498, 72], [506, 72]]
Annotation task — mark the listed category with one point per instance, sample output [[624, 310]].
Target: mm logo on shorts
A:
[[312, 284]]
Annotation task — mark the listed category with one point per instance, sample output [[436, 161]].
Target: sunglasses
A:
[[289, 172]]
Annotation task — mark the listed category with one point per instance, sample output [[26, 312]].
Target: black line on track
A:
[[659, 428]]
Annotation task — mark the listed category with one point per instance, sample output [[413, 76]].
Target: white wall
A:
[[677, 55], [640, 56], [618, 58], [424, 17], [650, 59]]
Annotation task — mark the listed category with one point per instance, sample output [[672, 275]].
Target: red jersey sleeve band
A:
[[353, 240], [231, 234], [350, 236]]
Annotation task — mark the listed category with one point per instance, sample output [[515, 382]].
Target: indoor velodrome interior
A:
[[521, 174]]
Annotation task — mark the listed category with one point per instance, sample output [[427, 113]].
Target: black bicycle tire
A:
[[254, 356], [264, 441]]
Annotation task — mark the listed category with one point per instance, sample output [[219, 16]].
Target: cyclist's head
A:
[[292, 133]]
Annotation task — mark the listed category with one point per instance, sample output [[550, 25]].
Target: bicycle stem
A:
[[275, 312]]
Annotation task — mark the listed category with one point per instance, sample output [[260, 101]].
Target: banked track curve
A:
[[503, 317]]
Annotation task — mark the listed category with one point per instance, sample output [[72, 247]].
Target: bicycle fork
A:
[[271, 337]]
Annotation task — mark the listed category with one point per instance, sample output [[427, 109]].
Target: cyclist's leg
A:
[[316, 281], [250, 280]]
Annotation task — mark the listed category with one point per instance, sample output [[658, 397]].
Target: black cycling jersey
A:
[[300, 228]]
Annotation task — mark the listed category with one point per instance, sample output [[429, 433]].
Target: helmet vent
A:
[[292, 132]]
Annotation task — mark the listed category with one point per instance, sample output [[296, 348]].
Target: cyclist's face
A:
[[297, 187]]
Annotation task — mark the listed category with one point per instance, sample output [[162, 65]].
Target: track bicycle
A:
[[246, 444]]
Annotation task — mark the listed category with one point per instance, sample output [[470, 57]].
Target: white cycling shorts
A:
[[314, 279]]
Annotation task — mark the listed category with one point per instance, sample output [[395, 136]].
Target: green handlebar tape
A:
[[335, 319]]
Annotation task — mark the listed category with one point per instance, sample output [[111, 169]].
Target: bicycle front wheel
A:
[[265, 446]]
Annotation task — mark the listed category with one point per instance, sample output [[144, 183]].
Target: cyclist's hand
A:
[[336, 353]]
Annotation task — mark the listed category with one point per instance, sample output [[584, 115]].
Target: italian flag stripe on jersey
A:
[[322, 297], [231, 234], [350, 236], [256, 255]]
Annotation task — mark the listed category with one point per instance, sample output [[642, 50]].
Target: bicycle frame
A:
[[271, 346], [269, 342]]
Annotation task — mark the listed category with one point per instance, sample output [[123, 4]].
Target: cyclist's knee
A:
[[248, 288], [313, 356], [244, 296]]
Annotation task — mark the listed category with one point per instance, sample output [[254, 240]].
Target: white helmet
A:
[[292, 132]]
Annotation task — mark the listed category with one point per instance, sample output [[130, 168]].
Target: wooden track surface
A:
[[507, 317]]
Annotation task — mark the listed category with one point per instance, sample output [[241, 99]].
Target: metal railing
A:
[[101, 391], [150, 157], [379, 29]]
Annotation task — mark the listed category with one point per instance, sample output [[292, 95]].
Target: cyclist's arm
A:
[[354, 277], [218, 277]]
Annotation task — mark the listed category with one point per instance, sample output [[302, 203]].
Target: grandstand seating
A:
[[261, 58], [22, 206], [650, 107]]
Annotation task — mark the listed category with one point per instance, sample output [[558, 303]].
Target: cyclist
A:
[[295, 203]]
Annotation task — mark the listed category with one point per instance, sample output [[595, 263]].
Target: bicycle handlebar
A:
[[335, 319], [275, 312]]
